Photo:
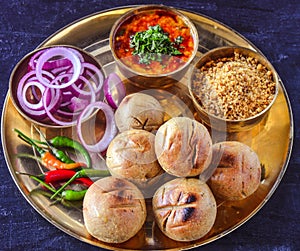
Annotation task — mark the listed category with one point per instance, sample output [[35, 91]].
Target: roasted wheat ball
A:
[[114, 210], [131, 155], [238, 171], [184, 209], [183, 147], [139, 111]]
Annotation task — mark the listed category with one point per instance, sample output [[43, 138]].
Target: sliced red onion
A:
[[59, 79], [78, 54], [34, 114], [66, 97], [62, 120], [55, 65], [33, 59], [33, 85], [59, 84], [67, 114], [94, 71], [28, 76], [27, 106], [110, 131], [55, 99], [49, 100], [61, 70], [80, 90], [33, 89], [77, 104], [114, 90], [56, 52]]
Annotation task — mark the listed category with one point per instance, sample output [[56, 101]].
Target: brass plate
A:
[[272, 139]]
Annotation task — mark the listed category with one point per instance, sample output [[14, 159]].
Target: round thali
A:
[[271, 138]]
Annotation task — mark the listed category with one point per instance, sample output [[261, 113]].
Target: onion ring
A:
[[54, 52], [110, 131], [59, 121], [32, 112], [114, 90], [31, 84]]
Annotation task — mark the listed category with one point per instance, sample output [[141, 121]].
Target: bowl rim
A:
[[27, 57], [261, 59], [145, 8]]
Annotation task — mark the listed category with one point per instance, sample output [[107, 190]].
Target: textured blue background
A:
[[273, 26]]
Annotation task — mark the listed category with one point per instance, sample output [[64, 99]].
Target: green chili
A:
[[59, 154], [73, 195], [63, 141], [63, 201]]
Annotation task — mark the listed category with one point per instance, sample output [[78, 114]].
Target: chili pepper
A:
[[58, 175], [67, 197], [63, 175], [84, 181], [54, 175], [63, 201], [73, 195], [59, 154], [49, 160], [63, 141], [66, 194], [61, 158], [80, 174]]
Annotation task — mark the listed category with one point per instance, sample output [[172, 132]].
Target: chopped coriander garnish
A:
[[151, 44]]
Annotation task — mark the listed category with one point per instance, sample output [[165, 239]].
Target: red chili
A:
[[58, 175], [84, 181], [63, 175]]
